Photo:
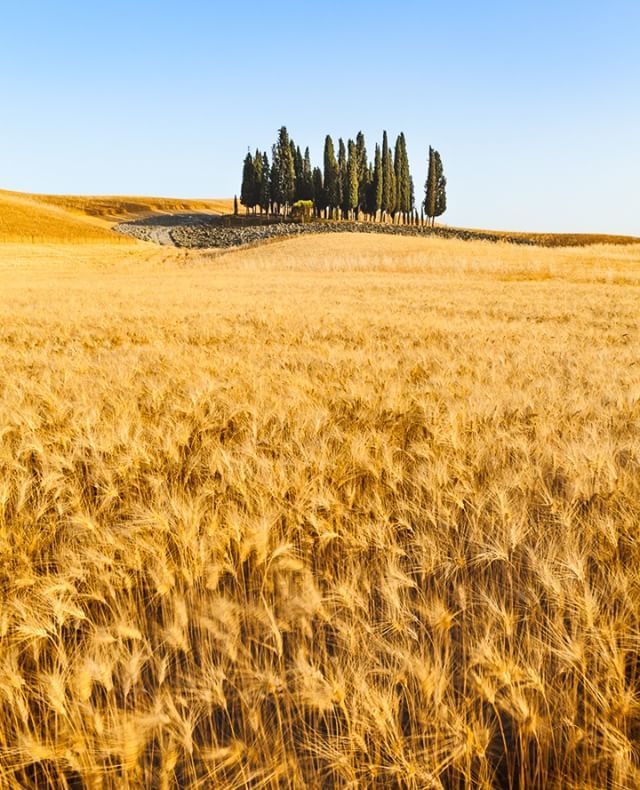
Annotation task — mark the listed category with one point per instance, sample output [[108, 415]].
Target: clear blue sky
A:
[[534, 106]]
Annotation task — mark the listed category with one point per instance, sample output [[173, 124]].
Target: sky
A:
[[534, 106]]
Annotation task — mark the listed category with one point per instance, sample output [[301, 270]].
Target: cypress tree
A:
[[370, 199], [378, 181], [397, 172], [441, 187], [298, 169], [319, 194], [342, 176], [430, 188], [331, 176], [435, 201], [363, 172], [403, 202], [274, 197], [390, 177], [306, 184], [407, 184], [235, 205], [352, 182], [265, 186], [257, 179], [386, 179], [283, 176], [247, 190]]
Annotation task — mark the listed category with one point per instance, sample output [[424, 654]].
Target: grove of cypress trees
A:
[[349, 184], [331, 176]]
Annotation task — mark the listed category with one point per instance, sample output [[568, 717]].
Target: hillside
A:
[[69, 219], [27, 219]]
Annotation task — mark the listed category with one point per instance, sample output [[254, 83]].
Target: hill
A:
[[32, 218], [67, 219]]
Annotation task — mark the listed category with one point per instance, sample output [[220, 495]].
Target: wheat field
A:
[[337, 512], [66, 219]]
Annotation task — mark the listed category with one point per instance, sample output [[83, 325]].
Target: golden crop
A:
[[337, 512], [66, 219]]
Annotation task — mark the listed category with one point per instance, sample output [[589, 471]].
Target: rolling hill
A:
[[68, 219]]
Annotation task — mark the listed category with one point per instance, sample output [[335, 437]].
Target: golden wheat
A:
[[339, 512], [64, 219]]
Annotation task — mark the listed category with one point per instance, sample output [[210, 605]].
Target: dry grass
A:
[[118, 209], [55, 219], [339, 512], [563, 239], [27, 220]]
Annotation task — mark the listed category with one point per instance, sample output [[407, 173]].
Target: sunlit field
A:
[[54, 219], [344, 511]]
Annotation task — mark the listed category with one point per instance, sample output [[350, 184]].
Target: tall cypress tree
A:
[[370, 199], [352, 182], [378, 181], [247, 190], [258, 178], [441, 187], [306, 179], [298, 163], [342, 176], [390, 179], [265, 186], [283, 176], [363, 172], [274, 194], [319, 192], [386, 178], [406, 176], [403, 177], [331, 176], [435, 202], [430, 188], [397, 172]]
